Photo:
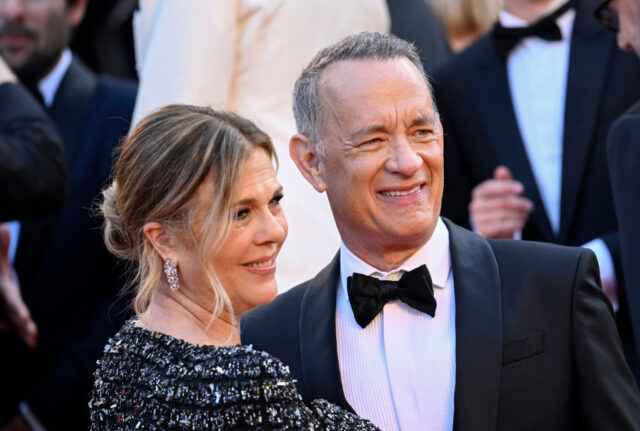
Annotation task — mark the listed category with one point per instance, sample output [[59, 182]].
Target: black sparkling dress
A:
[[152, 381]]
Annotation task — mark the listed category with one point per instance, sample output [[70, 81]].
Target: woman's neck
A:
[[178, 315]]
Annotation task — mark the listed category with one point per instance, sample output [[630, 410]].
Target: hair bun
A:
[[116, 236]]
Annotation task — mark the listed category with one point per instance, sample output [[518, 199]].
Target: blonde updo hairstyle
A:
[[159, 168]]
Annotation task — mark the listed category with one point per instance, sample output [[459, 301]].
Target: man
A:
[[527, 109], [521, 333], [624, 164], [67, 278]]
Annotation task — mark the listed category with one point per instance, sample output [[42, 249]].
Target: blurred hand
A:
[[17, 424], [14, 313], [497, 208], [6, 75]]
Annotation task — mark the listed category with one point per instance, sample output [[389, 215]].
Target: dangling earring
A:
[[171, 271]]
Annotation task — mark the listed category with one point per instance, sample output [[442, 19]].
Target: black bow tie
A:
[[506, 38], [368, 295]]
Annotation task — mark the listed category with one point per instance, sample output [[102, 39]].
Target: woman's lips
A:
[[262, 267]]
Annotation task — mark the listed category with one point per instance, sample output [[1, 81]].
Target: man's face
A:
[[383, 161], [33, 33], [629, 20]]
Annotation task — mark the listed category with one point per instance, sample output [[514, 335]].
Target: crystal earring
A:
[[171, 271]]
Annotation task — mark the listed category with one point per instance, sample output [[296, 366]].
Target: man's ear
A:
[[308, 161], [162, 240], [76, 12]]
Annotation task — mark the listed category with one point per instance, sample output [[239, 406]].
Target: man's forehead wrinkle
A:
[[332, 110]]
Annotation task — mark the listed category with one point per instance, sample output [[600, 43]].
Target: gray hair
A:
[[307, 104]]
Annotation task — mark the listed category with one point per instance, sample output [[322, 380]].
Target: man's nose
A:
[[403, 159], [12, 10]]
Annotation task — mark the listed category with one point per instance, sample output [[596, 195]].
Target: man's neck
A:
[[32, 75], [527, 10], [383, 257]]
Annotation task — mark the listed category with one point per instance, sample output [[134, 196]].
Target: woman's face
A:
[[246, 263]]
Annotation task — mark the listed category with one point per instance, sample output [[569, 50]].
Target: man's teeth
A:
[[398, 193], [265, 264]]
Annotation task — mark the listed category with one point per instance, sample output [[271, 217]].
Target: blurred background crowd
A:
[[526, 110]]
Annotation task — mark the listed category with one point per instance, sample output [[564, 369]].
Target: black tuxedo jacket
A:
[[33, 172], [624, 165], [481, 131], [536, 344], [68, 279]]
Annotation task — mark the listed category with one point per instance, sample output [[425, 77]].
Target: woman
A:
[[195, 206]]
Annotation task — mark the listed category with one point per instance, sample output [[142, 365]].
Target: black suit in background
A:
[[624, 165], [481, 133], [68, 279], [415, 21], [536, 344], [33, 172]]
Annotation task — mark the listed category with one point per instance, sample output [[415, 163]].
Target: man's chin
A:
[[30, 67]]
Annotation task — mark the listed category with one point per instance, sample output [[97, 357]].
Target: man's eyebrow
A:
[[250, 201], [429, 120], [369, 129]]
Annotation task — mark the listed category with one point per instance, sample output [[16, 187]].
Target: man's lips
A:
[[398, 191], [14, 40]]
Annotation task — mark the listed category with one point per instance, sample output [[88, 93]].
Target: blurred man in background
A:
[[67, 278]]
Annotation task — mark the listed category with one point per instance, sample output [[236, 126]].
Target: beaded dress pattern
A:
[[151, 381]]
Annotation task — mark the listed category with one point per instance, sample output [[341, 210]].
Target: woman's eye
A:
[[242, 214]]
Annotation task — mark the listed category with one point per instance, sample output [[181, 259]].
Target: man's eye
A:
[[424, 132], [276, 199], [372, 141], [241, 214]]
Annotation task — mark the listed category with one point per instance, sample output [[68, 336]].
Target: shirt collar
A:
[[48, 86], [435, 254]]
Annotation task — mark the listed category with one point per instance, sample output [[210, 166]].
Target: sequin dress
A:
[[152, 381]]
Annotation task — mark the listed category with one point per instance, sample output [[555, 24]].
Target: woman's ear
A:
[[162, 240], [308, 161]]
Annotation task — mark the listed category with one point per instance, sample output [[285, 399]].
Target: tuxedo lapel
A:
[[491, 84], [318, 346], [591, 49], [478, 302], [70, 106]]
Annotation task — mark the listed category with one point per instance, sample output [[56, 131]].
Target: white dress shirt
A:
[[400, 371], [538, 71]]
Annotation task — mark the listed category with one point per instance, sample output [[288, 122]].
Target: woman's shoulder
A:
[[134, 347], [147, 375]]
